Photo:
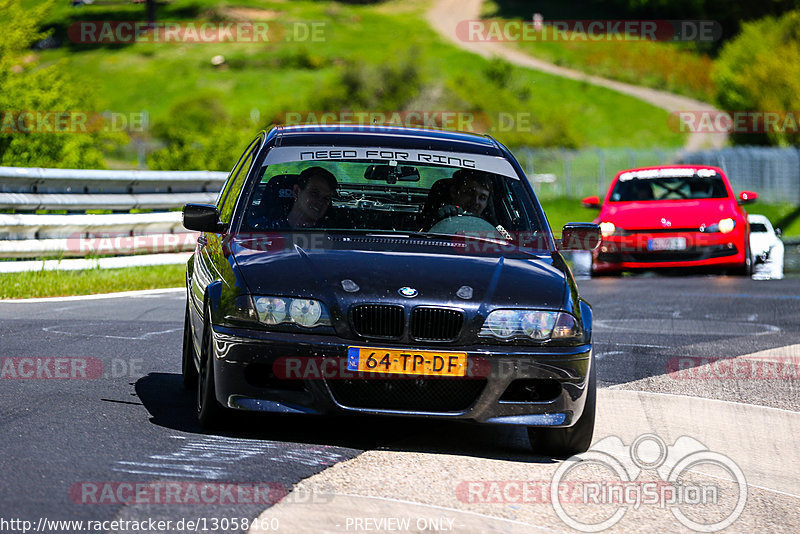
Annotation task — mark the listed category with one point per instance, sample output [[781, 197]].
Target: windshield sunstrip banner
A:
[[674, 172], [493, 164]]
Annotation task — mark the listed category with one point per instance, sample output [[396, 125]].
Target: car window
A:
[[389, 197], [234, 185], [669, 188], [758, 227]]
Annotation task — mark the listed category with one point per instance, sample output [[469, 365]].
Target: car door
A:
[[210, 261]]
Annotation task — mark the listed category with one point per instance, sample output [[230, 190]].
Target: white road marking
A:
[[601, 355], [685, 327], [52, 330], [194, 456], [99, 296]]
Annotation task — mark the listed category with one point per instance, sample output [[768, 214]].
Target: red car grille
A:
[[693, 254]]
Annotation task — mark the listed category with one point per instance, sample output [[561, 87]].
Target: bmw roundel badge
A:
[[408, 292]]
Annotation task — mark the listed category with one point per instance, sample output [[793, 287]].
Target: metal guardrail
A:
[[131, 237], [40, 180], [118, 202], [29, 226]]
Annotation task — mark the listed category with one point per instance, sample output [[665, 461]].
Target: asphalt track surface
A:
[[131, 422]]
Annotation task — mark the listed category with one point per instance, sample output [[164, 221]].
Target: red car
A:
[[676, 216]]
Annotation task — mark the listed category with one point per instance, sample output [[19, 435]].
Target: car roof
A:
[[682, 166], [756, 217], [386, 136]]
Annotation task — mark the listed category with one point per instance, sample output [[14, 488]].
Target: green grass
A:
[[266, 79], [783, 216], [60, 283], [674, 67]]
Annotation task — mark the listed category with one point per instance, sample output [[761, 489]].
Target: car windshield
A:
[[643, 188], [392, 198], [758, 227]]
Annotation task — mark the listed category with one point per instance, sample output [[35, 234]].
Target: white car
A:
[[766, 248]]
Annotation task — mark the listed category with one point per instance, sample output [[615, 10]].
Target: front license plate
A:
[[667, 243], [406, 362]]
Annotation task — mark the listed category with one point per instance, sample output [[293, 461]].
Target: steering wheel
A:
[[465, 223]]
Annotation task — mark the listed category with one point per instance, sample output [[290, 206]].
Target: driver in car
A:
[[469, 193], [466, 193], [312, 195]]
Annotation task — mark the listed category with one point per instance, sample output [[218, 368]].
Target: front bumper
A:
[[301, 373], [633, 251]]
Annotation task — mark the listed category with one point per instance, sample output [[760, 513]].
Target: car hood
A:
[[437, 277], [676, 213]]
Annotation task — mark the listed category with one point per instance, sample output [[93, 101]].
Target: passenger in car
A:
[[312, 197]]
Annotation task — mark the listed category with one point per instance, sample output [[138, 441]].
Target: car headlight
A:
[[535, 325], [607, 229], [286, 310], [724, 226], [273, 311]]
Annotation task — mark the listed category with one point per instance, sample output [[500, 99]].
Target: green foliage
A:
[[760, 71], [729, 14], [199, 134], [499, 71], [363, 86], [27, 87]]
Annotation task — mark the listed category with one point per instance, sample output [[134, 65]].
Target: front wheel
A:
[[209, 412], [746, 268], [565, 442]]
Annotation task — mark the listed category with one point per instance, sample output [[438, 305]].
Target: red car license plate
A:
[[667, 243]]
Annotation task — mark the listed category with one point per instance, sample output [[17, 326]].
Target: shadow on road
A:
[[171, 406]]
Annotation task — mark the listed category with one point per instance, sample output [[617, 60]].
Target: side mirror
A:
[[778, 232], [746, 197], [580, 236], [202, 218], [591, 202]]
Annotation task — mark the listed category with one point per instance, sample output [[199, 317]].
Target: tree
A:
[[30, 90], [759, 72]]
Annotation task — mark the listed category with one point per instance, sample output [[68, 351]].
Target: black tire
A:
[[747, 269], [564, 442], [209, 412], [188, 365]]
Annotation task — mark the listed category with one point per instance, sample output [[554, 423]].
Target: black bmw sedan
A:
[[393, 271]]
